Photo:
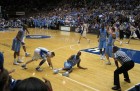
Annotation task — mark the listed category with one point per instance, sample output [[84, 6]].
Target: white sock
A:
[[60, 69], [15, 60]]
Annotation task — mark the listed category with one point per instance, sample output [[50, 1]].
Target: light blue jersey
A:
[[109, 46], [72, 62], [103, 35], [102, 39]]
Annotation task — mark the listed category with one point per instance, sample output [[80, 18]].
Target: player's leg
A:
[[67, 68], [100, 47], [86, 39], [130, 38], [19, 59], [24, 65], [15, 61], [67, 72], [79, 38], [41, 63], [24, 48], [104, 47], [103, 54], [107, 55], [16, 48]]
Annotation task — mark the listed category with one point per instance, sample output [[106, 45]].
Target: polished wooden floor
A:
[[98, 76]]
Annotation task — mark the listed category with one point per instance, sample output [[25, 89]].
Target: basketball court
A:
[[98, 76]]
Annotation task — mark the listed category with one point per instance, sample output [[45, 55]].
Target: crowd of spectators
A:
[[66, 12]]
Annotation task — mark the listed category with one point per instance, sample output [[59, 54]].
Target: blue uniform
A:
[[72, 62], [109, 46], [102, 39], [17, 43]]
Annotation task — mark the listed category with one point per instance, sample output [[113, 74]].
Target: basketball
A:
[[66, 74], [55, 71]]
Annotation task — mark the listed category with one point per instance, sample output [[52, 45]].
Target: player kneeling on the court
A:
[[70, 63], [126, 63], [41, 53]]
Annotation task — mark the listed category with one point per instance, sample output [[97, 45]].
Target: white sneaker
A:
[[27, 54], [101, 57], [24, 66], [120, 42], [56, 71], [15, 63], [20, 61], [66, 74], [108, 63], [127, 43]]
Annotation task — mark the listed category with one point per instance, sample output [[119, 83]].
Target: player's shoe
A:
[[127, 42], [15, 63], [108, 63], [24, 66], [19, 61], [27, 54], [101, 57], [120, 42], [39, 69]]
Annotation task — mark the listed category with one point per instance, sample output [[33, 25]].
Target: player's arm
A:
[[18, 36], [98, 35], [50, 63], [11, 71], [27, 31], [78, 65]]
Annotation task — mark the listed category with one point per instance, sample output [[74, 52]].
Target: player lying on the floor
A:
[[69, 64]]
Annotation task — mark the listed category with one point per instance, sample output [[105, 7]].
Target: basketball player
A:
[[110, 43], [102, 41], [23, 43], [84, 29], [17, 41], [117, 35], [70, 63], [41, 53], [126, 63], [132, 29]]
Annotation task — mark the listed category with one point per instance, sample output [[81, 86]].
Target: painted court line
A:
[[80, 83]]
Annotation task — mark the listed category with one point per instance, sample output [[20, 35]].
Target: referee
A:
[[126, 63]]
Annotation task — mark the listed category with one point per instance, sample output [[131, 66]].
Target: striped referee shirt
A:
[[121, 57]]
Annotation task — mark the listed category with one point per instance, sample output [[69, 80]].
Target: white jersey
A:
[[84, 30], [23, 34], [41, 53]]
